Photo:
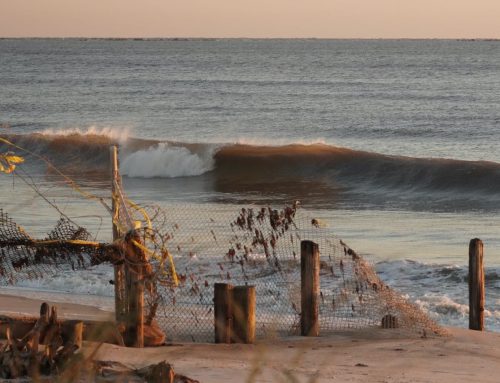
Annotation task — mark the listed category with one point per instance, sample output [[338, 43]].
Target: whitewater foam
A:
[[443, 305], [163, 160], [442, 290]]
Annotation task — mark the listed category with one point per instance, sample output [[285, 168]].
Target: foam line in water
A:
[[166, 161]]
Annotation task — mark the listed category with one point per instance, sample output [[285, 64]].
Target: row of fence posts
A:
[[234, 306]]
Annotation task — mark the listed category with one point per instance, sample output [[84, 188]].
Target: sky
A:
[[251, 18]]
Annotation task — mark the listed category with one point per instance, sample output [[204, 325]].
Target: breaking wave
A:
[[240, 166]]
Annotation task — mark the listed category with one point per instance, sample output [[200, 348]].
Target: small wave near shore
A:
[[442, 290]]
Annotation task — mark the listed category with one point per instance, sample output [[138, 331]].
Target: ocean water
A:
[[395, 144]]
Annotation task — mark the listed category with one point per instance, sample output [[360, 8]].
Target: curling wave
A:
[[237, 167]]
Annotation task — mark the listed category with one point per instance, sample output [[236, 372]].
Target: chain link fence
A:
[[261, 247]]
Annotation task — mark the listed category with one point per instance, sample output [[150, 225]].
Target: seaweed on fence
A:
[[261, 247]]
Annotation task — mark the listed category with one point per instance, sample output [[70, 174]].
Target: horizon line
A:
[[138, 38]]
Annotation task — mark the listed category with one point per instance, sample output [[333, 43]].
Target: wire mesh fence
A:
[[189, 248], [261, 247], [224, 244]]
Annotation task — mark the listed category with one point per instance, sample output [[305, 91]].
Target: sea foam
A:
[[166, 161]]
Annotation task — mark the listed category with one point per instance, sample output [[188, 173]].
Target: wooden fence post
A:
[[309, 270], [135, 258], [223, 312], [476, 285], [243, 314], [119, 270]]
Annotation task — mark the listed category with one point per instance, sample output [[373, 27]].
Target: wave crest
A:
[[117, 134]]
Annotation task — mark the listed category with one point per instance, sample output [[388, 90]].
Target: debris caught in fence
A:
[[261, 247]]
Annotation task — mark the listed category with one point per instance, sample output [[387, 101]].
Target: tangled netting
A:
[[22, 257], [261, 247]]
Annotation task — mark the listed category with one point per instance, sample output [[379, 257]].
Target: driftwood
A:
[[49, 347], [99, 331], [22, 357]]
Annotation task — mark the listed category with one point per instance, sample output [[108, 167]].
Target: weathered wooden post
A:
[[135, 259], [120, 299], [223, 312], [309, 280], [243, 314], [72, 332], [476, 285]]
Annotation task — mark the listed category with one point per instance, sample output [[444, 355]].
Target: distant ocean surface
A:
[[394, 143]]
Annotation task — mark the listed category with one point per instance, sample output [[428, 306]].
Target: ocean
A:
[[395, 144]]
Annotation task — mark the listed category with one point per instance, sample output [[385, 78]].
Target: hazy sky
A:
[[251, 18]]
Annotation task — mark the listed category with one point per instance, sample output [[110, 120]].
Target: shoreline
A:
[[11, 304]]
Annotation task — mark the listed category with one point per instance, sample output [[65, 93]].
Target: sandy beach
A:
[[372, 355], [368, 356]]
